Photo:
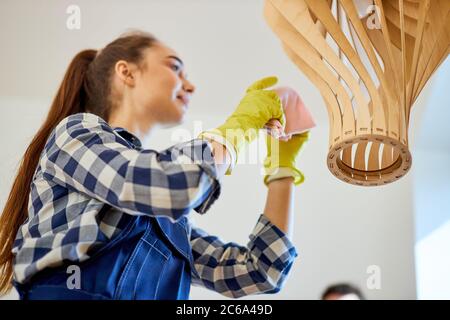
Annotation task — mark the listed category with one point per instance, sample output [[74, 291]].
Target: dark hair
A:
[[86, 87], [342, 289]]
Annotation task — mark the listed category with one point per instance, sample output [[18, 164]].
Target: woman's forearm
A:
[[222, 158], [279, 207]]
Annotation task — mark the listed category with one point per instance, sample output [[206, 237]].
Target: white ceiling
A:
[[226, 45]]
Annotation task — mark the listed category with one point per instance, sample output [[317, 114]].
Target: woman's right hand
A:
[[254, 110]]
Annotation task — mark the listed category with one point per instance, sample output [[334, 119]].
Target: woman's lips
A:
[[185, 100]]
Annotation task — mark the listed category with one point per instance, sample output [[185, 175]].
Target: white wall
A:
[[432, 191], [341, 229]]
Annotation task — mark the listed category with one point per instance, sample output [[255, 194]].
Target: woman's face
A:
[[160, 90]]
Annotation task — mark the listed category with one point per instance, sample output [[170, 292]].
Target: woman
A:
[[93, 215]]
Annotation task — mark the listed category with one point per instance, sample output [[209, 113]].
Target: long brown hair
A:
[[86, 87]]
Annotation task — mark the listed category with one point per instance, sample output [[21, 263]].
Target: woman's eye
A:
[[176, 67]]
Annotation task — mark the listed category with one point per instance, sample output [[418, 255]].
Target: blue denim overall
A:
[[151, 258]]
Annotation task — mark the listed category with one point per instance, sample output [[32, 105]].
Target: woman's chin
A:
[[172, 123], [182, 111], [176, 119]]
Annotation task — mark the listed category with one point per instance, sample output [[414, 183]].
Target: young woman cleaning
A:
[[94, 215]]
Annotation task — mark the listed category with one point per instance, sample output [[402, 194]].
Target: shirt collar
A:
[[131, 138]]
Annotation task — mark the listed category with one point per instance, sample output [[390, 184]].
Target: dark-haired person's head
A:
[[342, 291]]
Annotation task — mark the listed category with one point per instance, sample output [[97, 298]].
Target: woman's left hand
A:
[[282, 154]]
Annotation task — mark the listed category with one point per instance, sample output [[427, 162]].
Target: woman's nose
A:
[[188, 87]]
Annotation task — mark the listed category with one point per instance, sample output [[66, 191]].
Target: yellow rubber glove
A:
[[255, 109], [280, 160]]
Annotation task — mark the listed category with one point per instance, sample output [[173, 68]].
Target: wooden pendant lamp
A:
[[370, 60]]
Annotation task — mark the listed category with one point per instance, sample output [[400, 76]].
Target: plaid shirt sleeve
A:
[[84, 154], [236, 271]]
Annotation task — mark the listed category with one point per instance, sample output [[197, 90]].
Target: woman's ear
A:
[[125, 72]]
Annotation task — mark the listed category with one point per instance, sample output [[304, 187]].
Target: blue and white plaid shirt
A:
[[86, 164]]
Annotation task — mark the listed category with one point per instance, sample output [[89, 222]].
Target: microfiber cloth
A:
[[297, 117]]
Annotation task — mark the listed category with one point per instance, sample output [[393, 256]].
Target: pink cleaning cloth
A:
[[298, 119]]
